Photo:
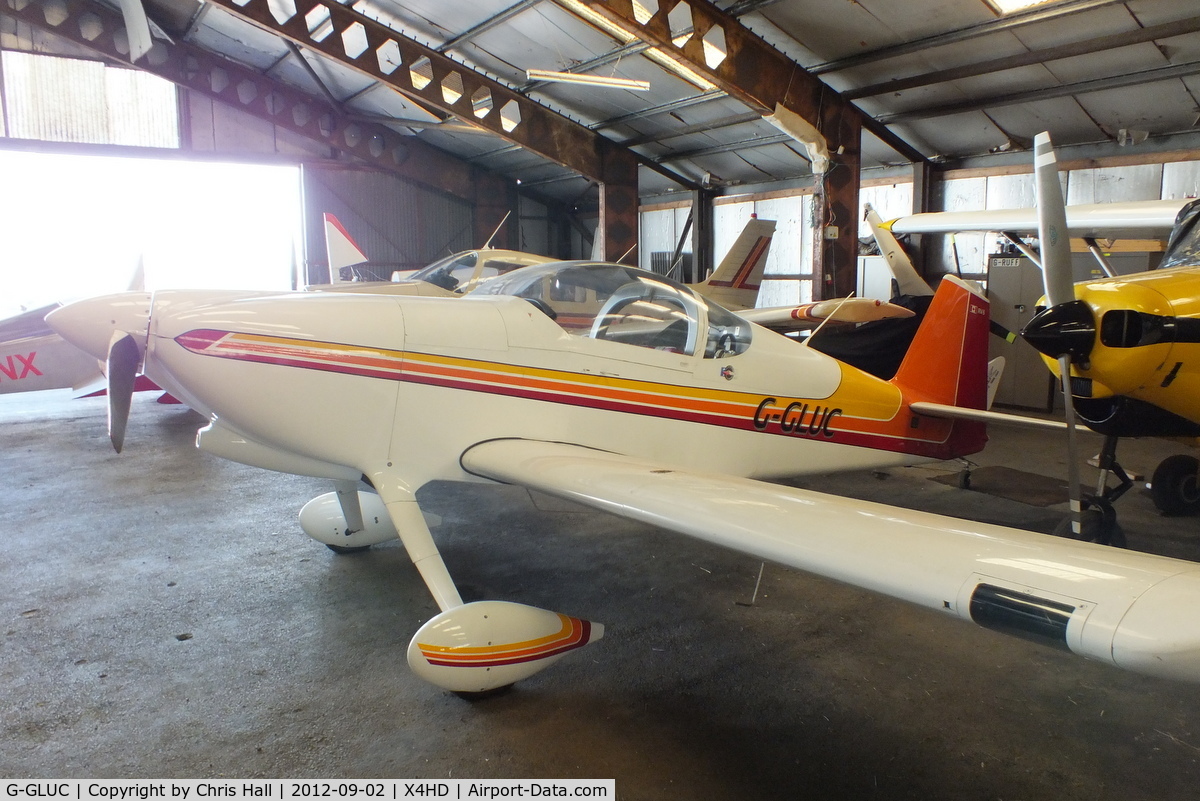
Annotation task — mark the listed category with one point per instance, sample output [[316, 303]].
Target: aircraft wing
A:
[[1149, 219], [810, 315], [1103, 603]]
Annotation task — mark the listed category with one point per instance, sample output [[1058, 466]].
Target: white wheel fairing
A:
[[484, 645], [322, 519]]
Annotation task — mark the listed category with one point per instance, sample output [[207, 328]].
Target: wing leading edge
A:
[[1136, 219], [1133, 610]]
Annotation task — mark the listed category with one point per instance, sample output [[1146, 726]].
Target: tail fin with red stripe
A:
[[737, 279]]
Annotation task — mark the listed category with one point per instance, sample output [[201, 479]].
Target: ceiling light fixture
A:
[[1012, 6], [588, 80]]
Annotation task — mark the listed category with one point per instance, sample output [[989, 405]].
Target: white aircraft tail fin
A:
[[341, 248], [907, 278], [738, 277]]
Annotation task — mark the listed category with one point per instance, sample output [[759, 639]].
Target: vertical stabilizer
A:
[[908, 280], [737, 279], [947, 362], [341, 248]]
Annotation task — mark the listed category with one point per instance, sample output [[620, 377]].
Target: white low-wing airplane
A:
[[735, 282], [658, 405]]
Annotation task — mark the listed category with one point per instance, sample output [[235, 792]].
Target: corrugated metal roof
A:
[[1080, 96]]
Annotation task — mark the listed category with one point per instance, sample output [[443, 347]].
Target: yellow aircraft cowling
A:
[[1123, 370]]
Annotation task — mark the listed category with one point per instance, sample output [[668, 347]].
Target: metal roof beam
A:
[[728, 147], [728, 54], [102, 30], [961, 34], [431, 78], [664, 108], [1096, 45], [714, 125], [751, 70], [1048, 93], [487, 25]]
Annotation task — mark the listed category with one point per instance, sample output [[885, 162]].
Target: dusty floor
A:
[[164, 616]]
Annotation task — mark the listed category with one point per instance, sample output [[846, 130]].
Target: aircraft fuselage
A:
[[338, 365]]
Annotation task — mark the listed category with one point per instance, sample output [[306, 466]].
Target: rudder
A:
[[947, 360]]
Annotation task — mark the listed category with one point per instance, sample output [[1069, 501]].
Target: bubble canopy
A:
[[636, 307]]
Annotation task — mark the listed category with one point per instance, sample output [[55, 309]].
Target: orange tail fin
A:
[[947, 361]]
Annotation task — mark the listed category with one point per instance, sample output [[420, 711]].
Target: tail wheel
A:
[[1174, 486]]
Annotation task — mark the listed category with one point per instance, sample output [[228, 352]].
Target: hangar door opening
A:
[[72, 226]]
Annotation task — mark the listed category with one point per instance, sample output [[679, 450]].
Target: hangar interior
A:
[[161, 640]]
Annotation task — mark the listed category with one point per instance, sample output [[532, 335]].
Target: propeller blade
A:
[[1066, 335], [1052, 224], [998, 330], [1064, 367], [124, 359]]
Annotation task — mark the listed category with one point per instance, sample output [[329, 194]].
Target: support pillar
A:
[[702, 237], [836, 264], [619, 207]]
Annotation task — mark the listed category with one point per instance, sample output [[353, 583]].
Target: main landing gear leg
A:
[[347, 496], [414, 533], [964, 475], [1099, 517], [478, 648]]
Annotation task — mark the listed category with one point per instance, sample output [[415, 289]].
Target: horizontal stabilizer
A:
[[979, 415]]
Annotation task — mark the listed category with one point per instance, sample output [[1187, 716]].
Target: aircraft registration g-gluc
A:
[[616, 388]]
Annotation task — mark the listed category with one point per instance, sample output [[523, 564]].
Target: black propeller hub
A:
[[1066, 329]]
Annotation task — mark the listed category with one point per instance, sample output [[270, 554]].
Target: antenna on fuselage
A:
[[488, 243], [821, 325]]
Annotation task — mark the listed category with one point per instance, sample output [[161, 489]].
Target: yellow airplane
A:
[[1128, 342], [1133, 344]]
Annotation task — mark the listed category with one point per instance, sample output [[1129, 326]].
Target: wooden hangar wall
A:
[[789, 273]]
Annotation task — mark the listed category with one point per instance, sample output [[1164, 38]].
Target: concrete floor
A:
[[164, 616]]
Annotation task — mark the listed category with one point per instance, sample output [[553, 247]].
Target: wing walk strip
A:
[[693, 404]]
